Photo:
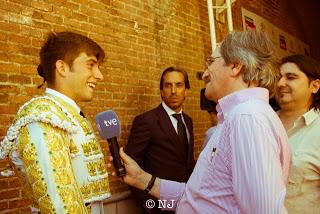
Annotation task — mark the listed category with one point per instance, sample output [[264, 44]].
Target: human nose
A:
[[173, 89], [98, 75], [281, 82], [205, 75]]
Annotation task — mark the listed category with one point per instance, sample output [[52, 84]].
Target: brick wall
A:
[[140, 38]]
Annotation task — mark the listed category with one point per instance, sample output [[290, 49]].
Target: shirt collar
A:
[[310, 116], [63, 97], [169, 110], [227, 103]]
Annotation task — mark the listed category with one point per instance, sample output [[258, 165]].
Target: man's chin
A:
[[87, 99], [283, 101], [174, 106]]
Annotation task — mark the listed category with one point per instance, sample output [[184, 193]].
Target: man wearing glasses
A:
[[244, 168]]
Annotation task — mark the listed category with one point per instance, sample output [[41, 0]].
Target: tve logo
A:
[[112, 122], [108, 124]]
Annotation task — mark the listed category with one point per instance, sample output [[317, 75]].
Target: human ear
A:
[[236, 69], [61, 68], [315, 85]]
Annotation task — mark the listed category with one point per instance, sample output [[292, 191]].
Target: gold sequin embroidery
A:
[[25, 148], [41, 105], [46, 205], [96, 167], [73, 147], [62, 169], [91, 148], [34, 173], [95, 188], [28, 154], [59, 160], [39, 188]]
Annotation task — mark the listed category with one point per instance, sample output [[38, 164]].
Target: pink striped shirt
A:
[[244, 167]]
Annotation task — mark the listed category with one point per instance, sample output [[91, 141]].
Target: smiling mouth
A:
[[91, 85], [284, 92]]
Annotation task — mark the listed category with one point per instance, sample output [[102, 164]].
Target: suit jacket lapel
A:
[[189, 126], [166, 124]]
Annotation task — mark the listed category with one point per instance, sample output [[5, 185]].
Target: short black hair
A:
[[311, 68], [65, 46], [175, 69]]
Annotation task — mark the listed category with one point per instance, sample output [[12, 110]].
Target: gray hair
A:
[[255, 51]]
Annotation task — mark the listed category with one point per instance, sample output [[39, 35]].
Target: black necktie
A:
[[182, 134], [82, 114]]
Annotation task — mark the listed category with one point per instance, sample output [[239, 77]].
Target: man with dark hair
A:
[[245, 165], [161, 140], [299, 99], [50, 141]]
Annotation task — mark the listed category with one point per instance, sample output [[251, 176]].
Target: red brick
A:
[[19, 39], [167, 34], [3, 132], [18, 203], [30, 51], [3, 35], [22, 2], [5, 120], [52, 18], [19, 58], [19, 18], [14, 182], [19, 99], [4, 98], [11, 7], [33, 90], [73, 23], [9, 67], [28, 69], [19, 79], [10, 194], [79, 17], [37, 80], [3, 185], [4, 164], [36, 42], [5, 109], [31, 31], [9, 89], [4, 205], [66, 4], [42, 6]]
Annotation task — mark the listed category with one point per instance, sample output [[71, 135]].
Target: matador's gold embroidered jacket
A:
[[57, 150]]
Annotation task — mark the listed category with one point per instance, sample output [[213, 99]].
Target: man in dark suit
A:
[[161, 140]]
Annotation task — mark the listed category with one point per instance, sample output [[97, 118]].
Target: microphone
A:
[[109, 128]]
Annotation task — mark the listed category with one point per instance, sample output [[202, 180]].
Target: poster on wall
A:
[[285, 43], [249, 23], [282, 42]]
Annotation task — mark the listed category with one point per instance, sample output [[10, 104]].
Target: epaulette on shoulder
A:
[[39, 109], [38, 105]]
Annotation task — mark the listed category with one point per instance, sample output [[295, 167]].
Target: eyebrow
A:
[[92, 60], [290, 74], [179, 82]]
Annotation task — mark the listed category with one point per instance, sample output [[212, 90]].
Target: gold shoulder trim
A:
[[28, 116]]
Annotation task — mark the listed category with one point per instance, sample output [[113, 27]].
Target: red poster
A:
[[249, 23], [283, 43]]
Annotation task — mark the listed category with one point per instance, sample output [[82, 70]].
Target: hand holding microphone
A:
[[109, 128]]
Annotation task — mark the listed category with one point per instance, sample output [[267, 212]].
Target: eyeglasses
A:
[[211, 60]]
